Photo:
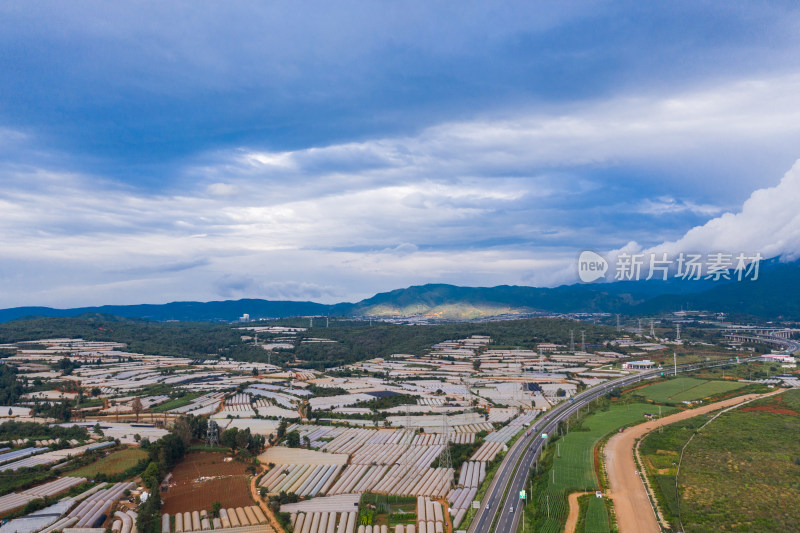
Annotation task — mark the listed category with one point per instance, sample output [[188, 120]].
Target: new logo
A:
[[591, 266]]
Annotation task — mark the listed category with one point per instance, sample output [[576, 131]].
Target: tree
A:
[[137, 407], [243, 439], [183, 429], [148, 519], [293, 439], [215, 509], [228, 438], [476, 364], [560, 393], [151, 475], [167, 450]]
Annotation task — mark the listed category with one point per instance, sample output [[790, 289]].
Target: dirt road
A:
[[626, 489], [574, 511]]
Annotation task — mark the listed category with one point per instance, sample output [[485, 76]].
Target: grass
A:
[[740, 473], [114, 463], [686, 389], [570, 466], [663, 391], [177, 402]]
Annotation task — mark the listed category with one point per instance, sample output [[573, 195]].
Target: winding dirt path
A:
[[626, 488], [574, 511]]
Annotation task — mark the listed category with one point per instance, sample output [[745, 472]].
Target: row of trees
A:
[[163, 454]]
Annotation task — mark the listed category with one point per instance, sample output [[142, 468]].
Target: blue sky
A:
[[152, 152]]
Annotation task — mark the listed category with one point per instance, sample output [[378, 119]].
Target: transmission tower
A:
[[618, 323], [652, 329], [678, 332], [572, 341], [583, 340], [212, 433], [445, 461], [639, 326]]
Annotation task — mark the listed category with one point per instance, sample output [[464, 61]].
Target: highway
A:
[[510, 478]]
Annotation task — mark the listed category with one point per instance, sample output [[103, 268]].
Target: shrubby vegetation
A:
[[12, 430], [360, 341]]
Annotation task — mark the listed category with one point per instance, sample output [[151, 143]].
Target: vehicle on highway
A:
[[511, 509]]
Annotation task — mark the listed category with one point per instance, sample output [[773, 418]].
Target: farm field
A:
[[573, 469], [738, 474], [686, 389], [204, 478], [115, 463], [176, 402]]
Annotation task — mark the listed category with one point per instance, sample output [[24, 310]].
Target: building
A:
[[644, 364]]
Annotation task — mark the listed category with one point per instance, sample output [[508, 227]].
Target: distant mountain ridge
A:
[[776, 294]]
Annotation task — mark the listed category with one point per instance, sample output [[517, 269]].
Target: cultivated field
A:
[[738, 474], [574, 469], [114, 463], [204, 478], [686, 389]]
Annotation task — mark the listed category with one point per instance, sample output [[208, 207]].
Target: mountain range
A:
[[775, 295]]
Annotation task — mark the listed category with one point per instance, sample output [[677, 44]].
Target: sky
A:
[[163, 151]]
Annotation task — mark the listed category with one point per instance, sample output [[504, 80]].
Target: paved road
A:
[[509, 480]]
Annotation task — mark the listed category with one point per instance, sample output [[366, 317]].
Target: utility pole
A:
[[617, 322], [675, 361], [583, 340], [572, 341]]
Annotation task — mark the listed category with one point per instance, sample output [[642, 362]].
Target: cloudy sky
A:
[[161, 151]]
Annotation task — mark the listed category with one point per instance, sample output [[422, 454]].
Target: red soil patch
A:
[[771, 407], [597, 467], [204, 478], [638, 387]]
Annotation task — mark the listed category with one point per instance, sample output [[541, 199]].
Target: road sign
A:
[[544, 435], [522, 495]]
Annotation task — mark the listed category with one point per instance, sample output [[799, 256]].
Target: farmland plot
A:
[[204, 478], [574, 467]]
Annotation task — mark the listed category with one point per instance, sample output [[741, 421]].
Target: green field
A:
[[573, 469], [114, 463], [739, 473], [686, 389], [177, 402]]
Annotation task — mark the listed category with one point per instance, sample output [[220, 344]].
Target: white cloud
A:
[[668, 205], [222, 189], [768, 223], [483, 202]]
